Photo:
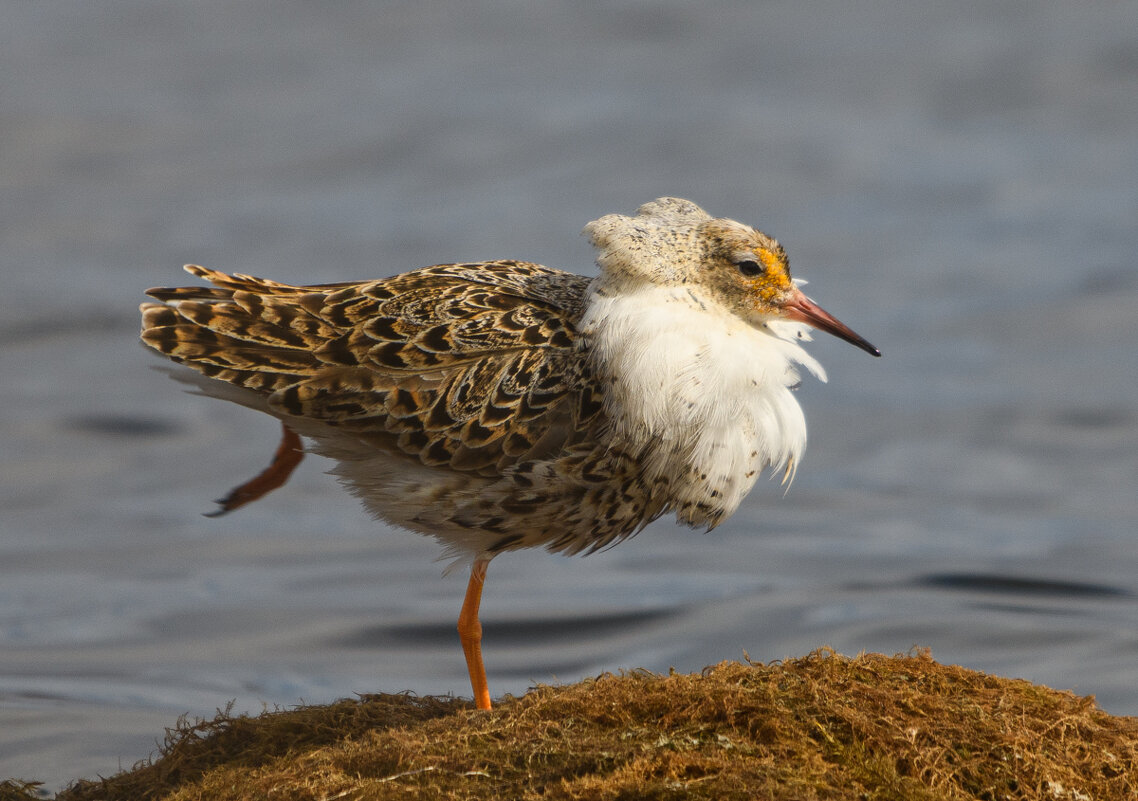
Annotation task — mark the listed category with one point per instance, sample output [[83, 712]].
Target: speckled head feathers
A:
[[672, 241], [650, 245]]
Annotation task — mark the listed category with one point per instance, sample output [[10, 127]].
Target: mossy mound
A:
[[821, 727]]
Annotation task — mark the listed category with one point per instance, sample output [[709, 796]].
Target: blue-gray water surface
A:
[[959, 182]]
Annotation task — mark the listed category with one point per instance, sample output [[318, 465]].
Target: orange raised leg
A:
[[288, 456]]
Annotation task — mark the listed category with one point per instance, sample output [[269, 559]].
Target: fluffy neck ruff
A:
[[703, 395]]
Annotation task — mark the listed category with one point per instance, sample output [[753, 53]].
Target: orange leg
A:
[[470, 632], [288, 456]]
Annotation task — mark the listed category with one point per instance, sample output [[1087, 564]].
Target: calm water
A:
[[958, 182]]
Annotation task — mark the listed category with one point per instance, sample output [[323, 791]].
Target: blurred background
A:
[[958, 180]]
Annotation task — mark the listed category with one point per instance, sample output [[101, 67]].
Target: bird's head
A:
[[674, 242]]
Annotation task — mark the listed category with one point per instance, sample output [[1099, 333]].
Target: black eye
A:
[[749, 268]]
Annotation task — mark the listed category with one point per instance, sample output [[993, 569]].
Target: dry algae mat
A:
[[821, 727]]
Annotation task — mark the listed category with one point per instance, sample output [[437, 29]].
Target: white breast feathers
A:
[[705, 392]]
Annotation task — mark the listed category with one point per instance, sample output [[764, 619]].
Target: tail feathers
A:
[[176, 293], [194, 344], [224, 285], [239, 281], [261, 286], [244, 330], [254, 322]]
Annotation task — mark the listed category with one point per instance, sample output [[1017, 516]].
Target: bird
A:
[[501, 405]]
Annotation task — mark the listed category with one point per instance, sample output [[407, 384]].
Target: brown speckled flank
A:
[[503, 405]]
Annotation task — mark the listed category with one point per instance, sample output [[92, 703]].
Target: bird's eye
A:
[[749, 268]]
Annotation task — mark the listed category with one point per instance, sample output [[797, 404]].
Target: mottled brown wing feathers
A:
[[470, 365]]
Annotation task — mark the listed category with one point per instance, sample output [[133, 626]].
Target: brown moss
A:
[[821, 727], [16, 790]]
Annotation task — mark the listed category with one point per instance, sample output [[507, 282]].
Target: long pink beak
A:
[[804, 310]]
